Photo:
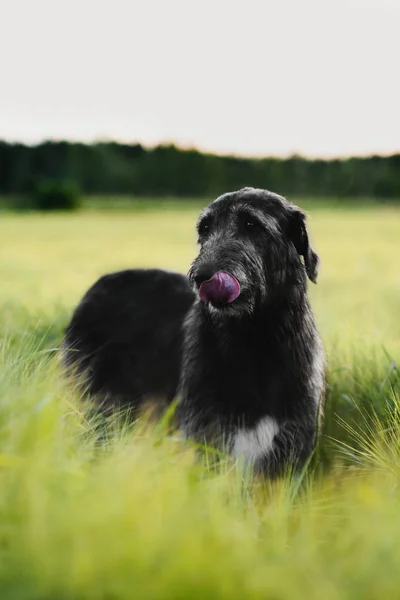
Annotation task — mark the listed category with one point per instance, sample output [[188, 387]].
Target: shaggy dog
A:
[[237, 337]]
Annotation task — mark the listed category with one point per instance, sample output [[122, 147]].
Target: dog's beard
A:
[[240, 308]]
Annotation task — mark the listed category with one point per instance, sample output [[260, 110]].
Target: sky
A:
[[315, 77]]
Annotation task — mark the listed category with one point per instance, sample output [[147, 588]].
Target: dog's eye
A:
[[204, 228], [250, 224]]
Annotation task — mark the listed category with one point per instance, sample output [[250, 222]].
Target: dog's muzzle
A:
[[221, 288]]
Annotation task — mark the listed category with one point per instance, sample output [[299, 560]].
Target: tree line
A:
[[113, 168]]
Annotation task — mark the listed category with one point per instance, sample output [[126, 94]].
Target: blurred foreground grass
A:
[[140, 515]]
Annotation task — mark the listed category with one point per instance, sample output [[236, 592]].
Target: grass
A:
[[142, 515]]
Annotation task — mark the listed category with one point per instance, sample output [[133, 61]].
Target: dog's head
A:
[[253, 245]]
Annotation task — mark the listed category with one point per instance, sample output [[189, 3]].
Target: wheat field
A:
[[141, 515]]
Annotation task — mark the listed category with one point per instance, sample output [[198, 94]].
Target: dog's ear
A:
[[297, 231]]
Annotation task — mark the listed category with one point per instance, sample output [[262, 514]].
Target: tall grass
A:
[[136, 512], [140, 514]]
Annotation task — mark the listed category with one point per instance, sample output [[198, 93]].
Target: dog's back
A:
[[125, 337]]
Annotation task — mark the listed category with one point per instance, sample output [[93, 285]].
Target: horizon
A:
[[149, 147], [271, 79]]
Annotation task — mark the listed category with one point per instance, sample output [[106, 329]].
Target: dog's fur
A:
[[251, 372], [125, 338]]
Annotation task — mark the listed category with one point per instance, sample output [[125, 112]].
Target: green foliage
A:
[[49, 195], [111, 168]]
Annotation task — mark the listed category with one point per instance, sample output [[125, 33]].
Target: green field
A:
[[141, 515]]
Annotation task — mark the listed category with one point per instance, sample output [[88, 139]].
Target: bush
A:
[[55, 195]]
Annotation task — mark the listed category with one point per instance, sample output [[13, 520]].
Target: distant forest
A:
[[112, 168]]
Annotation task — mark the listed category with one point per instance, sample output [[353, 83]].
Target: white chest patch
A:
[[253, 444]]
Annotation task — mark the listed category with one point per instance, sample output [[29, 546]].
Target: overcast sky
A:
[[318, 77]]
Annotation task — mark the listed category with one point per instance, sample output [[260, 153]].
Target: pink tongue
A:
[[222, 288]]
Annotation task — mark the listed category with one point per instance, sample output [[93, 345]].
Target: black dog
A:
[[253, 367], [251, 362], [125, 338]]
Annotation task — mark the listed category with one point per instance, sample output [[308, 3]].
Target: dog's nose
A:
[[202, 276]]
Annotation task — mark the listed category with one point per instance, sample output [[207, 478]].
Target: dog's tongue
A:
[[222, 288]]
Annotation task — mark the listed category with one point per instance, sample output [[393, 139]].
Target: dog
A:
[[253, 370], [236, 339]]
